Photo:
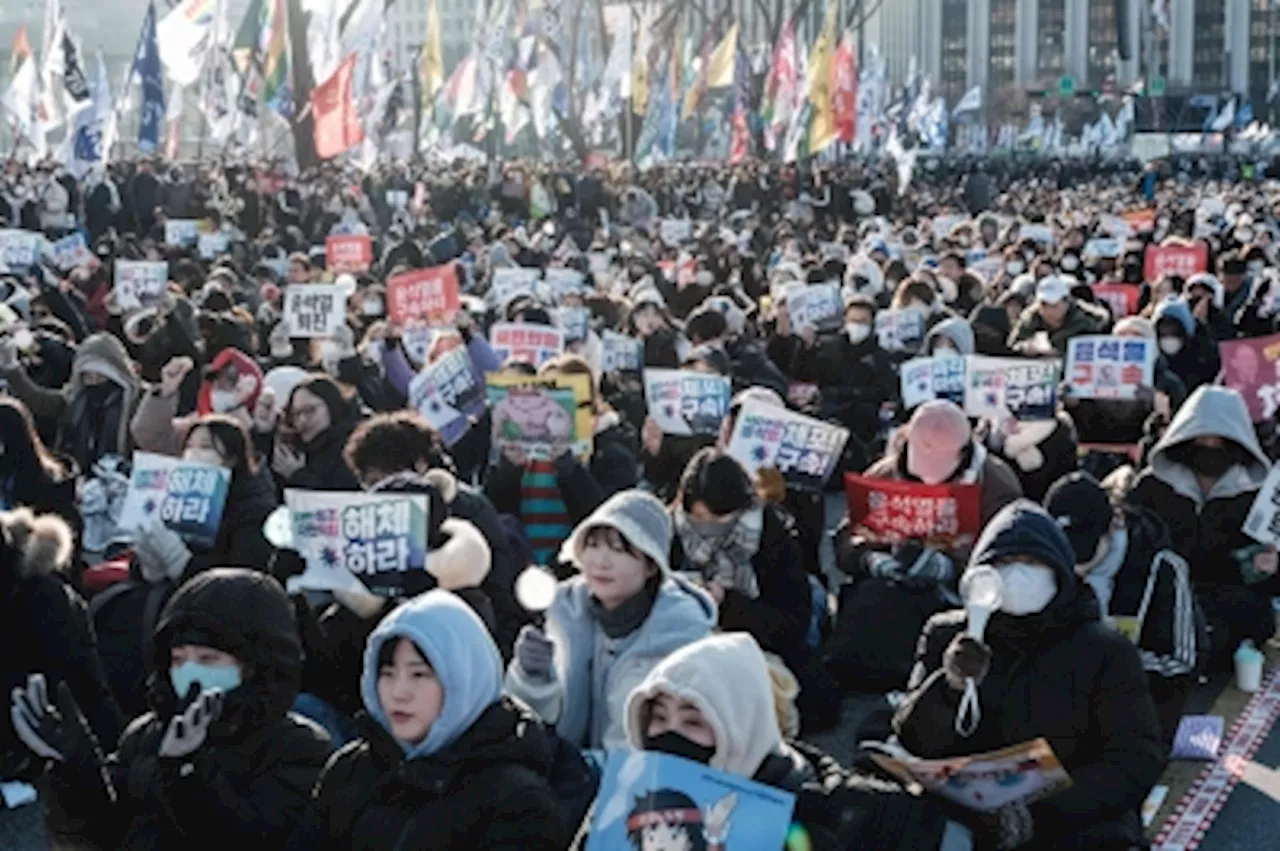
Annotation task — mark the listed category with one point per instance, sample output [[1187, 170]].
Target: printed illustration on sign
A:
[[1110, 367], [1252, 367], [806, 451], [542, 416], [684, 402], [187, 497], [140, 283], [532, 344]]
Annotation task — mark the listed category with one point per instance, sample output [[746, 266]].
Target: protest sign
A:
[[682, 270], [533, 344], [352, 252], [925, 379], [675, 232], [314, 310], [1140, 220], [900, 330], [684, 402], [886, 511], [183, 233], [1263, 522], [19, 248], [430, 294], [1110, 367], [140, 283], [1115, 226], [212, 245], [349, 540], [1039, 233], [71, 251], [1175, 258], [416, 338], [1103, 247], [558, 283], [1252, 367], [508, 283], [620, 352], [834, 251], [983, 782], [574, 321], [1025, 389], [543, 417], [1121, 298], [187, 497], [806, 451], [817, 306], [693, 805], [447, 394]]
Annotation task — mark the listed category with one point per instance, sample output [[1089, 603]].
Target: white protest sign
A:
[[532, 344], [1110, 367], [314, 310], [71, 251], [804, 450], [140, 283], [925, 379], [185, 496], [212, 245], [184, 233], [1263, 522], [557, 283], [817, 306], [900, 330], [446, 393], [1108, 248], [675, 232], [19, 248], [683, 402], [508, 283], [575, 321], [1023, 388], [1042, 234], [620, 352]]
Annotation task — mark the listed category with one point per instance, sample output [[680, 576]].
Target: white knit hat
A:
[[638, 517]]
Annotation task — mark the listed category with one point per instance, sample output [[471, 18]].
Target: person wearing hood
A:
[[218, 760], [444, 760], [1048, 667], [952, 337], [712, 702], [991, 327], [1202, 478], [232, 386], [95, 407], [1187, 343], [1045, 328], [751, 365], [608, 626], [46, 629], [1142, 586], [307, 448]]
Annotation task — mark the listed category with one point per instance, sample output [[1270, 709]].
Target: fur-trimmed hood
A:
[[33, 545]]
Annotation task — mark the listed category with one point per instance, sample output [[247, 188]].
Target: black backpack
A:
[[124, 638], [878, 625]]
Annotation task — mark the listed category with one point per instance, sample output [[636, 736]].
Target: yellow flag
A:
[[723, 60], [822, 66], [432, 55], [639, 84]]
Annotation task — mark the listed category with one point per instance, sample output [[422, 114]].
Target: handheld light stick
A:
[[981, 590]]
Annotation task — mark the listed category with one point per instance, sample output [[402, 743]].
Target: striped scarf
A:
[[543, 512]]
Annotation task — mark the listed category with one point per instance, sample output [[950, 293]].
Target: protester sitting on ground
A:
[[1045, 328]]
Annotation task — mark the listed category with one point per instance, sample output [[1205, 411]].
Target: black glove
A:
[[1006, 829], [966, 658], [49, 732]]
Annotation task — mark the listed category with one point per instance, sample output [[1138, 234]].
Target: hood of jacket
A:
[[107, 356], [454, 641], [727, 678], [957, 330], [244, 365], [251, 617], [1211, 411], [1176, 308], [32, 545]]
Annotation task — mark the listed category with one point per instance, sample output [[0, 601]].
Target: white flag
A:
[[89, 144], [1225, 118], [186, 37], [971, 102], [22, 102]]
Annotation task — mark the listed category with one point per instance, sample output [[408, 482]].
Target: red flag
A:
[[845, 90], [337, 124], [741, 141]]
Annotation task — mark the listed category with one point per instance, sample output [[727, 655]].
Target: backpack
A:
[[124, 639]]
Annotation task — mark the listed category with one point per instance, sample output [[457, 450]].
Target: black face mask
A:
[[675, 744], [1210, 462]]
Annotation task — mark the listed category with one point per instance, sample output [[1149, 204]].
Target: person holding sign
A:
[[712, 702], [218, 755], [307, 447], [1047, 667], [1056, 316], [445, 757], [1187, 343]]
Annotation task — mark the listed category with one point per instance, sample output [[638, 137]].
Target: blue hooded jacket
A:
[[454, 641], [1176, 308]]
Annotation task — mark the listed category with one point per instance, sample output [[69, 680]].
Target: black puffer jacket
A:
[[1061, 674], [240, 543], [326, 469], [488, 790], [248, 785]]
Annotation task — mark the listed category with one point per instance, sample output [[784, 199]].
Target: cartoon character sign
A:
[[533, 416], [670, 820]]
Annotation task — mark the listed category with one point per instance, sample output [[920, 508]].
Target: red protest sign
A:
[[1178, 258], [430, 294], [1252, 367], [348, 253], [1142, 220], [886, 511], [1121, 298]]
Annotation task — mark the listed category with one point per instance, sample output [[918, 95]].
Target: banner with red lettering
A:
[[1253, 368], [1176, 258], [1121, 298], [429, 294], [885, 511], [348, 253]]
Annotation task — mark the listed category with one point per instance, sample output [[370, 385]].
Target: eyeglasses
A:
[[307, 412]]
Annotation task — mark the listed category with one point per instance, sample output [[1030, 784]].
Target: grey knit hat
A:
[[638, 517]]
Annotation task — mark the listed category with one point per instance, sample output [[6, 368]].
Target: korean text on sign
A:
[[348, 253], [806, 451], [140, 283], [430, 294], [533, 344], [685, 402], [314, 310], [1109, 367], [888, 512], [186, 497]]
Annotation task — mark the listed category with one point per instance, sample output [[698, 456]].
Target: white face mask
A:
[[1015, 267], [223, 400], [372, 307], [202, 456], [1255, 267], [1170, 345], [857, 331], [1027, 588], [1070, 263]]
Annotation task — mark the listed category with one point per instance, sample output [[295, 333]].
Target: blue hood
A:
[[455, 642], [1176, 308]]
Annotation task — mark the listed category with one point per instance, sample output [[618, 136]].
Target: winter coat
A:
[[1199, 362], [593, 674], [1081, 320], [778, 618], [83, 434], [240, 543], [248, 784], [1063, 675], [45, 627], [326, 469], [44, 492], [752, 367]]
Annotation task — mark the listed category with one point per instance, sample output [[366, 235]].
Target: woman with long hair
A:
[[30, 474]]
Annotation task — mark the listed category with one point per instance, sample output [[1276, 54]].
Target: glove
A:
[[188, 730], [161, 552], [49, 732], [534, 653], [1007, 828], [965, 658]]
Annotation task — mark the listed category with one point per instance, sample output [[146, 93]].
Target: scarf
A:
[[725, 558], [626, 618]]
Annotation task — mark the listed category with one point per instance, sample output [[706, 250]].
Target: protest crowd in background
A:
[[1058, 377]]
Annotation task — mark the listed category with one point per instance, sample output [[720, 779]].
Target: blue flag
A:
[[146, 64]]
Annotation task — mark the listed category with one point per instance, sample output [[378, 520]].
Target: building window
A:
[[955, 49], [1208, 51], [1051, 26], [1102, 41], [1002, 57], [1261, 21]]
